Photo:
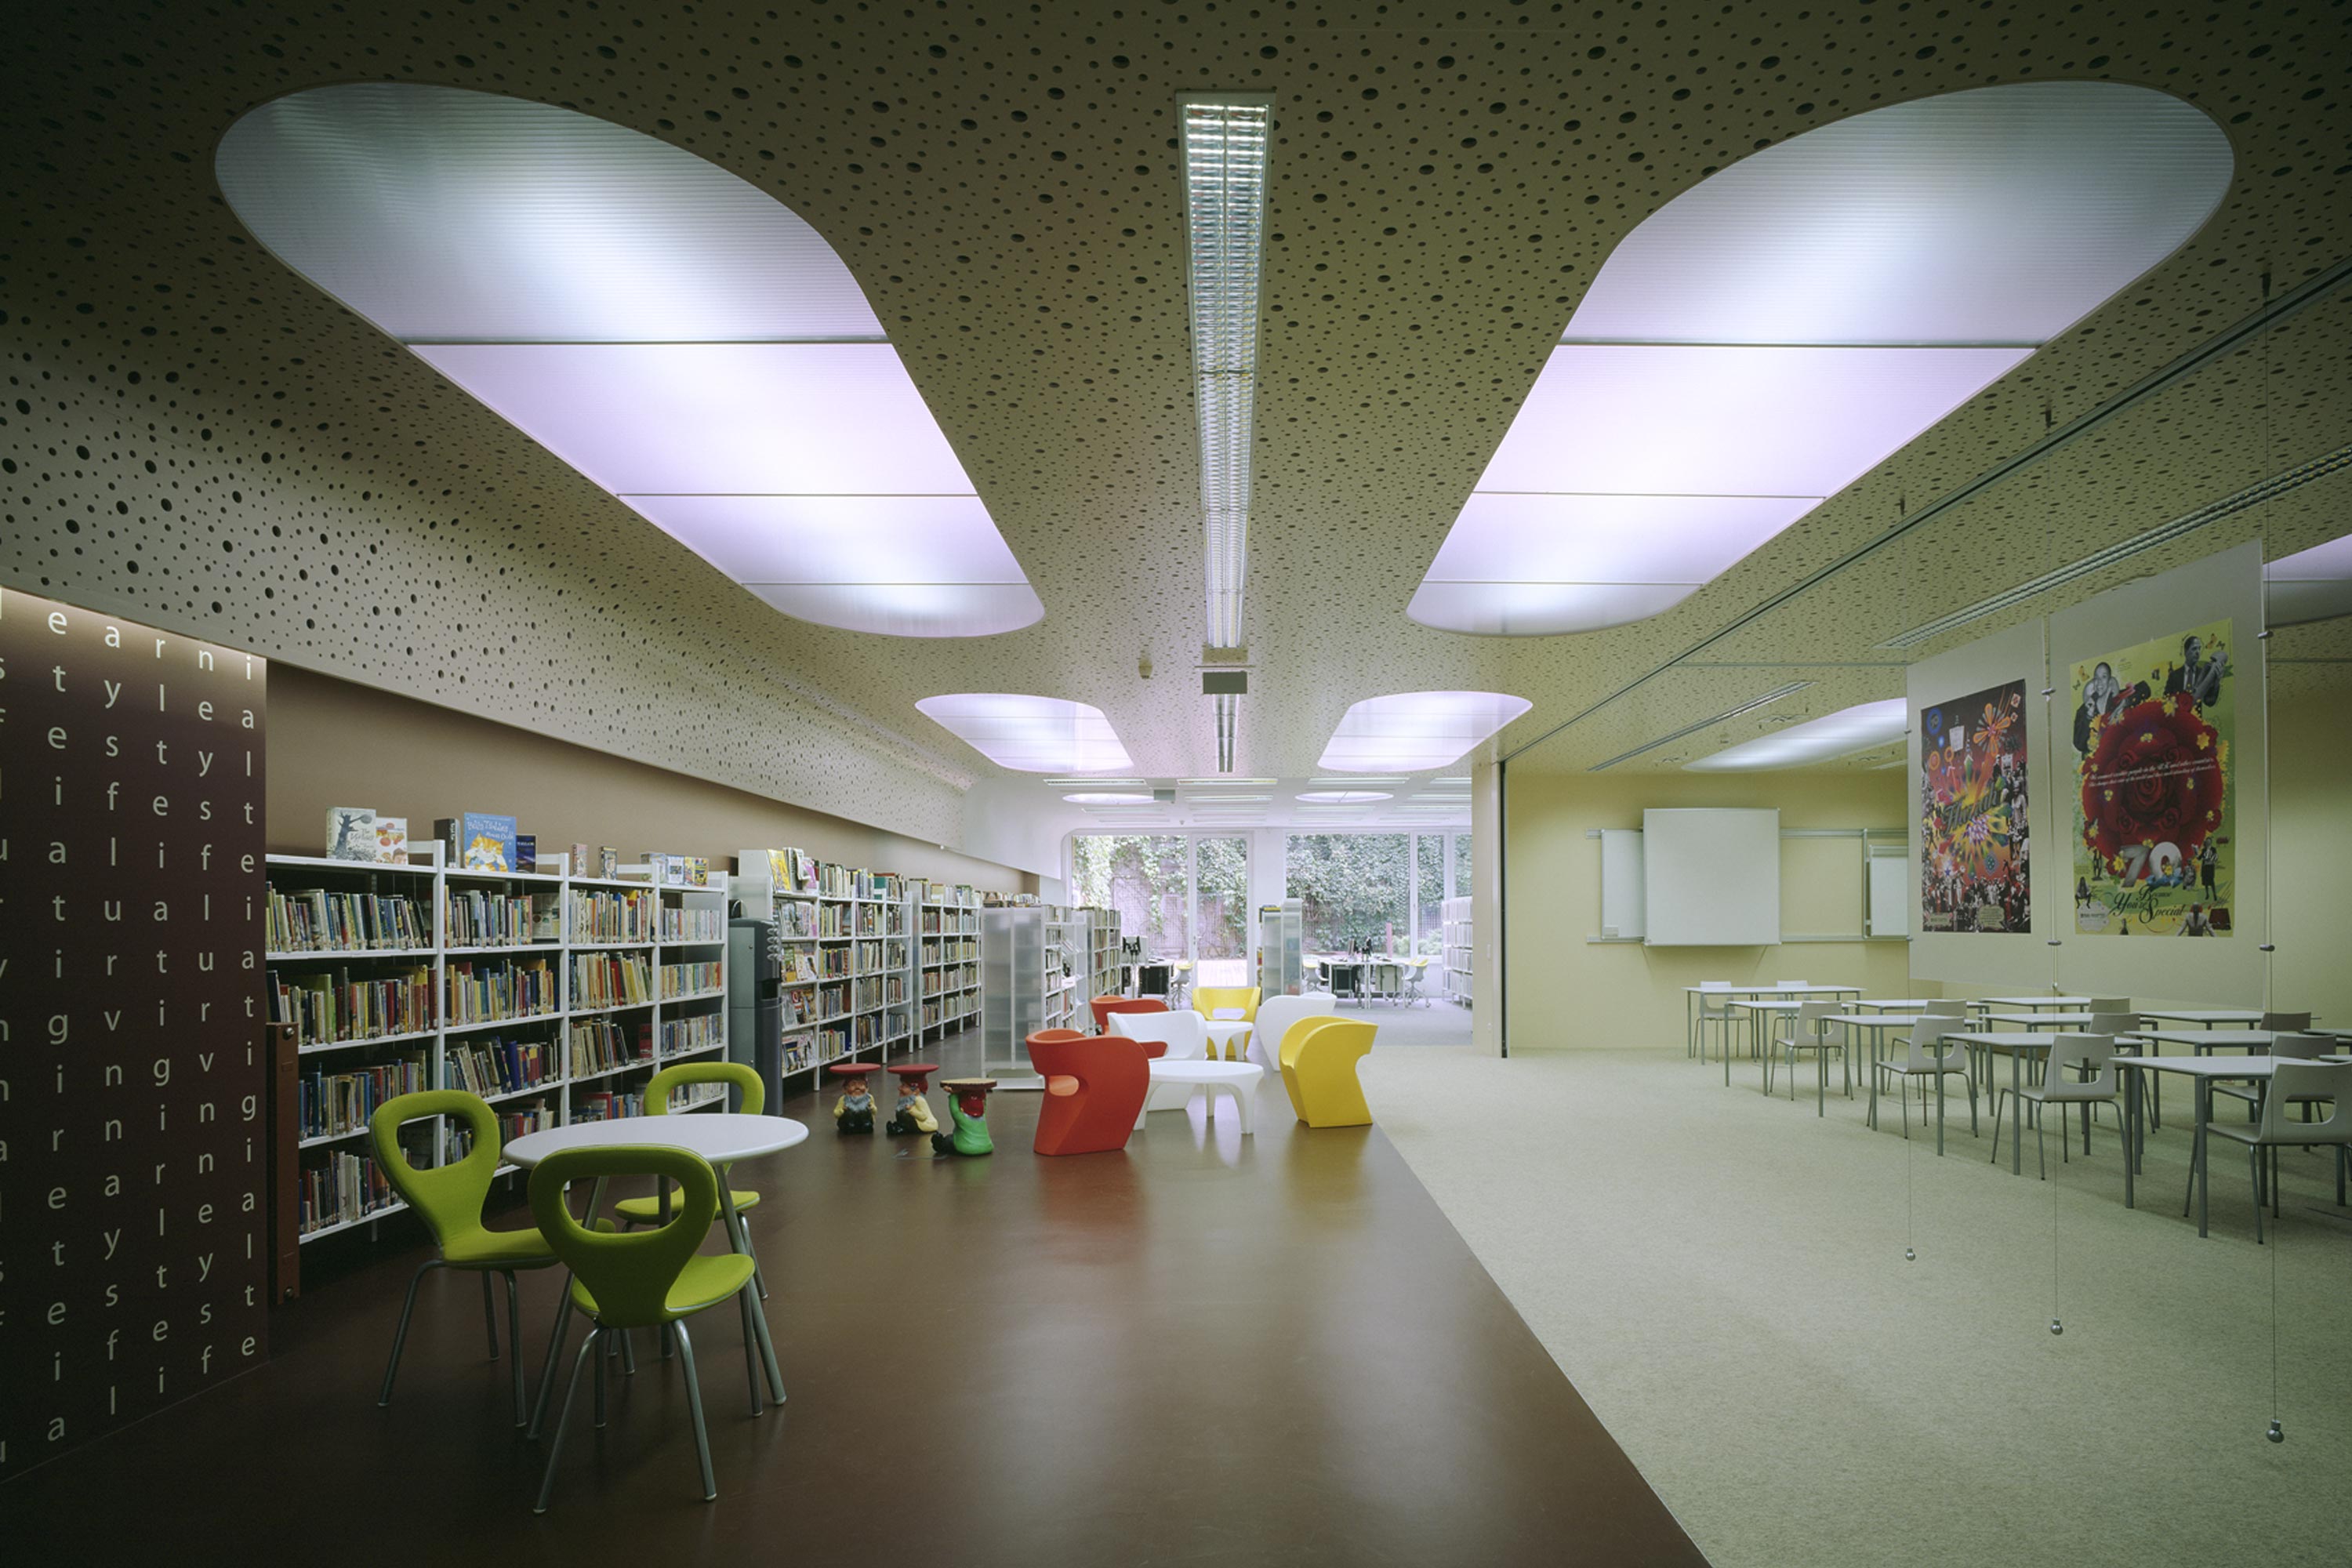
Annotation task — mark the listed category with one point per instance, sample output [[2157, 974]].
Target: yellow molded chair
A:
[[1207, 999], [635, 1212], [1319, 1069], [449, 1198]]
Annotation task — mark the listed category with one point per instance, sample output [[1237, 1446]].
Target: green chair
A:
[[651, 1211], [640, 1279], [449, 1198]]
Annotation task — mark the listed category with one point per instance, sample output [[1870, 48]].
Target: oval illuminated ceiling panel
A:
[[1838, 734], [1772, 334], [1031, 734], [675, 334], [1410, 731]]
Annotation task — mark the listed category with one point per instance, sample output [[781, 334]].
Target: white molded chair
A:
[[1186, 1035], [2080, 1071], [1805, 1030], [1713, 1008], [1925, 1058], [1276, 1014], [2297, 1082]]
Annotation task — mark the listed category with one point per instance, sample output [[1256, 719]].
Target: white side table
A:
[[1237, 1080]]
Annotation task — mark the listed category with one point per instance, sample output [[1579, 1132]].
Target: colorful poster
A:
[[2152, 815], [1973, 857]]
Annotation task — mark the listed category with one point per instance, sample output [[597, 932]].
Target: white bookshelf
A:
[[853, 945], [947, 953], [665, 927], [1456, 917]]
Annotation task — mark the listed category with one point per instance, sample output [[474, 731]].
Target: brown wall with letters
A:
[[131, 1158], [333, 743]]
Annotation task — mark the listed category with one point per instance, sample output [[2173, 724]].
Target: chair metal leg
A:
[[1996, 1126], [400, 1335], [600, 1378], [2041, 1152], [514, 1342], [490, 1313], [2255, 1159], [694, 1403], [562, 1417], [554, 1355], [750, 1351], [629, 1351]]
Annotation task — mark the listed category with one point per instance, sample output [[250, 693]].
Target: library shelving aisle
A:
[[1103, 968], [950, 930], [857, 977], [1456, 916], [552, 996]]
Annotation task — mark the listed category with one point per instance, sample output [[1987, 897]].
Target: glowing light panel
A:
[[1413, 731], [1031, 734], [667, 329], [1849, 729]]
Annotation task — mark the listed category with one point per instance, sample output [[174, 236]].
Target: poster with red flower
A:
[[2153, 817], [1974, 850]]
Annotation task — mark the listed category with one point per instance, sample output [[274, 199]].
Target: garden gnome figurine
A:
[[853, 1111], [967, 1107], [913, 1113]]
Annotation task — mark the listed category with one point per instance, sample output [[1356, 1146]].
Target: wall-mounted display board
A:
[[132, 1057], [1711, 877]]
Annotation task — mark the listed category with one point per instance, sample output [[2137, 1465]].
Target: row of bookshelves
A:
[[552, 997]]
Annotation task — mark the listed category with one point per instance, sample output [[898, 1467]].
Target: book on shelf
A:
[[351, 833], [689, 979], [485, 991], [314, 919], [477, 840], [327, 1103], [599, 914], [391, 840], [329, 1006], [611, 980], [526, 852], [494, 1065]]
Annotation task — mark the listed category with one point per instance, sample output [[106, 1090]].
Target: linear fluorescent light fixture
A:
[[672, 332], [1857, 728], [1766, 701], [1224, 143], [1086, 781], [1222, 782], [2123, 549], [1413, 731], [1030, 734], [1777, 330], [1357, 781]]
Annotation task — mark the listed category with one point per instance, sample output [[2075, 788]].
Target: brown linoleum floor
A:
[[1209, 1350]]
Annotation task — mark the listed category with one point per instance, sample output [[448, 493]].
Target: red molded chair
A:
[[1095, 1089], [1104, 1007]]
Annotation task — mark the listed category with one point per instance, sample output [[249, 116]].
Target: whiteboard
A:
[[1621, 883], [1711, 877], [1890, 892]]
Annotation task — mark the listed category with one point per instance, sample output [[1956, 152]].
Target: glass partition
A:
[[1356, 887]]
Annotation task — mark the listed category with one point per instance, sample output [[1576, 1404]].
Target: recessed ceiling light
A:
[[667, 329], [1346, 796], [1095, 798], [1417, 730], [1776, 331], [1031, 734], [1218, 783], [1857, 729]]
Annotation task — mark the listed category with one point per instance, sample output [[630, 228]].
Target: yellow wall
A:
[[1565, 992], [2310, 872]]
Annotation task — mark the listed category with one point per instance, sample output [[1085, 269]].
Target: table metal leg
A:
[[1939, 1113], [2131, 1133], [741, 1241], [2204, 1115], [2016, 1108]]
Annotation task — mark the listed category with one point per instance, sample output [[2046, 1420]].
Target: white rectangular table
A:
[[1692, 1007], [1757, 1009], [2203, 1070], [2076, 1021], [2205, 1017], [1877, 1024], [2034, 1003], [1886, 1005]]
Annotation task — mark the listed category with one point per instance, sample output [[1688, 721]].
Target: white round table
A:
[[1222, 1032], [718, 1136], [1238, 1079]]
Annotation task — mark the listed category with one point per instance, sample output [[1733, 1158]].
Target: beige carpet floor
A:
[[1722, 1278]]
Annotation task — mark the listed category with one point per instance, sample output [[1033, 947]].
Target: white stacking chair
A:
[[2272, 1024], [1805, 1030], [2080, 1071], [1713, 1008], [2308, 1084], [1925, 1058]]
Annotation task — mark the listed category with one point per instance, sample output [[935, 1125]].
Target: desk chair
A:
[[1416, 971], [740, 1075], [2308, 1084], [1718, 993], [2250, 1095], [448, 1199], [649, 1279], [2080, 1071], [1805, 1030], [1924, 1058]]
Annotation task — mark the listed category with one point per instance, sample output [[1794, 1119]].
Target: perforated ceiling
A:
[[195, 436]]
